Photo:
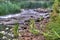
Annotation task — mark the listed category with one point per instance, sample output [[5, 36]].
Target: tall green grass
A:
[[53, 26], [33, 29], [15, 30]]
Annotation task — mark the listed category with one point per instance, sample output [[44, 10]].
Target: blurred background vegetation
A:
[[14, 6]]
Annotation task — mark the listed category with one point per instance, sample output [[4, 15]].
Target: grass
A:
[[15, 30], [53, 28], [33, 29]]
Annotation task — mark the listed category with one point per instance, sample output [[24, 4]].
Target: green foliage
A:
[[15, 30], [53, 27], [2, 0], [8, 8], [53, 30], [56, 6], [33, 5], [1, 35], [33, 29], [2, 27]]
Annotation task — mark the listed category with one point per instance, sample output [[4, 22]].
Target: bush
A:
[[8, 8], [33, 5]]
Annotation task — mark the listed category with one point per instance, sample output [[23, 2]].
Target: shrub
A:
[[33, 5], [8, 8]]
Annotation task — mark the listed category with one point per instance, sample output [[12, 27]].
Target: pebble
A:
[[4, 37], [20, 18], [6, 28], [3, 32]]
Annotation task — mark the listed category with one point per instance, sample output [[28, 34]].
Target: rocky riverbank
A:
[[22, 18]]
